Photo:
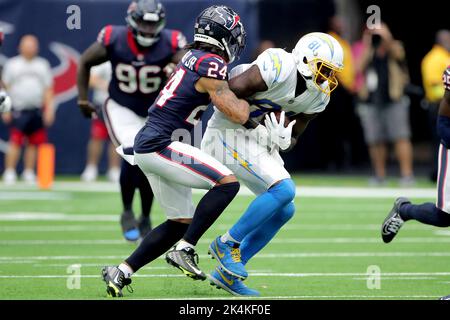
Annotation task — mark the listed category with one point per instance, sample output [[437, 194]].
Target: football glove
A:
[[5, 102], [279, 134], [87, 109]]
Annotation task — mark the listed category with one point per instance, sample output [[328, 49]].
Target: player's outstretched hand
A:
[[87, 109]]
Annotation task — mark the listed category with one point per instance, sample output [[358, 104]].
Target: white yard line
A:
[[12, 259], [30, 195], [282, 241], [304, 227], [252, 274], [302, 191]]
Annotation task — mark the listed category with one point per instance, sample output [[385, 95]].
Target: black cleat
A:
[[129, 226], [393, 221], [445, 298], [186, 260], [144, 226], [115, 281]]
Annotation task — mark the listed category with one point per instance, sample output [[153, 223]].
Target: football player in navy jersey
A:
[[173, 167], [435, 214], [141, 54], [5, 100]]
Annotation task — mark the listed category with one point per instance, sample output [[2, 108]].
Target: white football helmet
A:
[[319, 57]]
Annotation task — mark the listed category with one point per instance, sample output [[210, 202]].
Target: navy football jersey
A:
[[179, 105], [137, 73]]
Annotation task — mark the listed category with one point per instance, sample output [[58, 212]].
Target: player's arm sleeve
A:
[[319, 108], [106, 36], [212, 66]]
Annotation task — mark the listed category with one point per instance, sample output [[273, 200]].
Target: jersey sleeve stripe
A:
[[107, 37], [209, 55], [175, 41]]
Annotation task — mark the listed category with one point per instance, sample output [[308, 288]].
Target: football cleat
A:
[[186, 260], [445, 298], [393, 221], [144, 226], [233, 285], [115, 281], [129, 226], [229, 257]]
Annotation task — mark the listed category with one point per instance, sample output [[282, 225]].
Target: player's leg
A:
[[398, 131], [189, 166], [261, 236], [176, 203], [264, 173], [165, 171], [427, 213], [145, 191], [37, 135], [94, 151], [113, 163], [122, 125], [16, 139]]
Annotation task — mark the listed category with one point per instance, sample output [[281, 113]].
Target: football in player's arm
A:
[[250, 82]]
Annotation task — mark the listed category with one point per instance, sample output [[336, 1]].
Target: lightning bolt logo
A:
[[276, 63], [242, 162]]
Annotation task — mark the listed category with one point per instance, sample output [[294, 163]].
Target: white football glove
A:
[[279, 134], [5, 102]]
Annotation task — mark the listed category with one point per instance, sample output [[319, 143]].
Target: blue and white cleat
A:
[[229, 257], [231, 284]]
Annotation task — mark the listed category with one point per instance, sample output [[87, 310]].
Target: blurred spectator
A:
[[433, 65], [99, 81], [383, 107], [341, 145], [29, 81]]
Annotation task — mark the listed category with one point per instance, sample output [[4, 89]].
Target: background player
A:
[[299, 83], [139, 54], [437, 214], [173, 167]]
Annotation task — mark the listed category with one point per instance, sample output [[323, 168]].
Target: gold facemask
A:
[[324, 72]]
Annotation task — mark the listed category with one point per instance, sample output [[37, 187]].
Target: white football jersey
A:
[[279, 72]]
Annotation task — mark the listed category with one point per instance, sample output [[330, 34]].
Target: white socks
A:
[[226, 237], [183, 244], [126, 269]]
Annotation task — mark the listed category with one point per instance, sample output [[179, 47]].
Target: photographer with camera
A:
[[383, 108]]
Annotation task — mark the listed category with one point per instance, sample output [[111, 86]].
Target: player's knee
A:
[[284, 191], [287, 212], [227, 179], [182, 220]]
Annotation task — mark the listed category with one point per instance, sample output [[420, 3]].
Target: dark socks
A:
[[127, 185], [209, 209], [426, 213], [155, 243], [145, 192]]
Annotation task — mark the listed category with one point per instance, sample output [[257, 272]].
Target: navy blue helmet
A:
[[146, 18], [221, 27]]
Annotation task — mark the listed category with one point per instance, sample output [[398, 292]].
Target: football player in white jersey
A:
[[278, 83]]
